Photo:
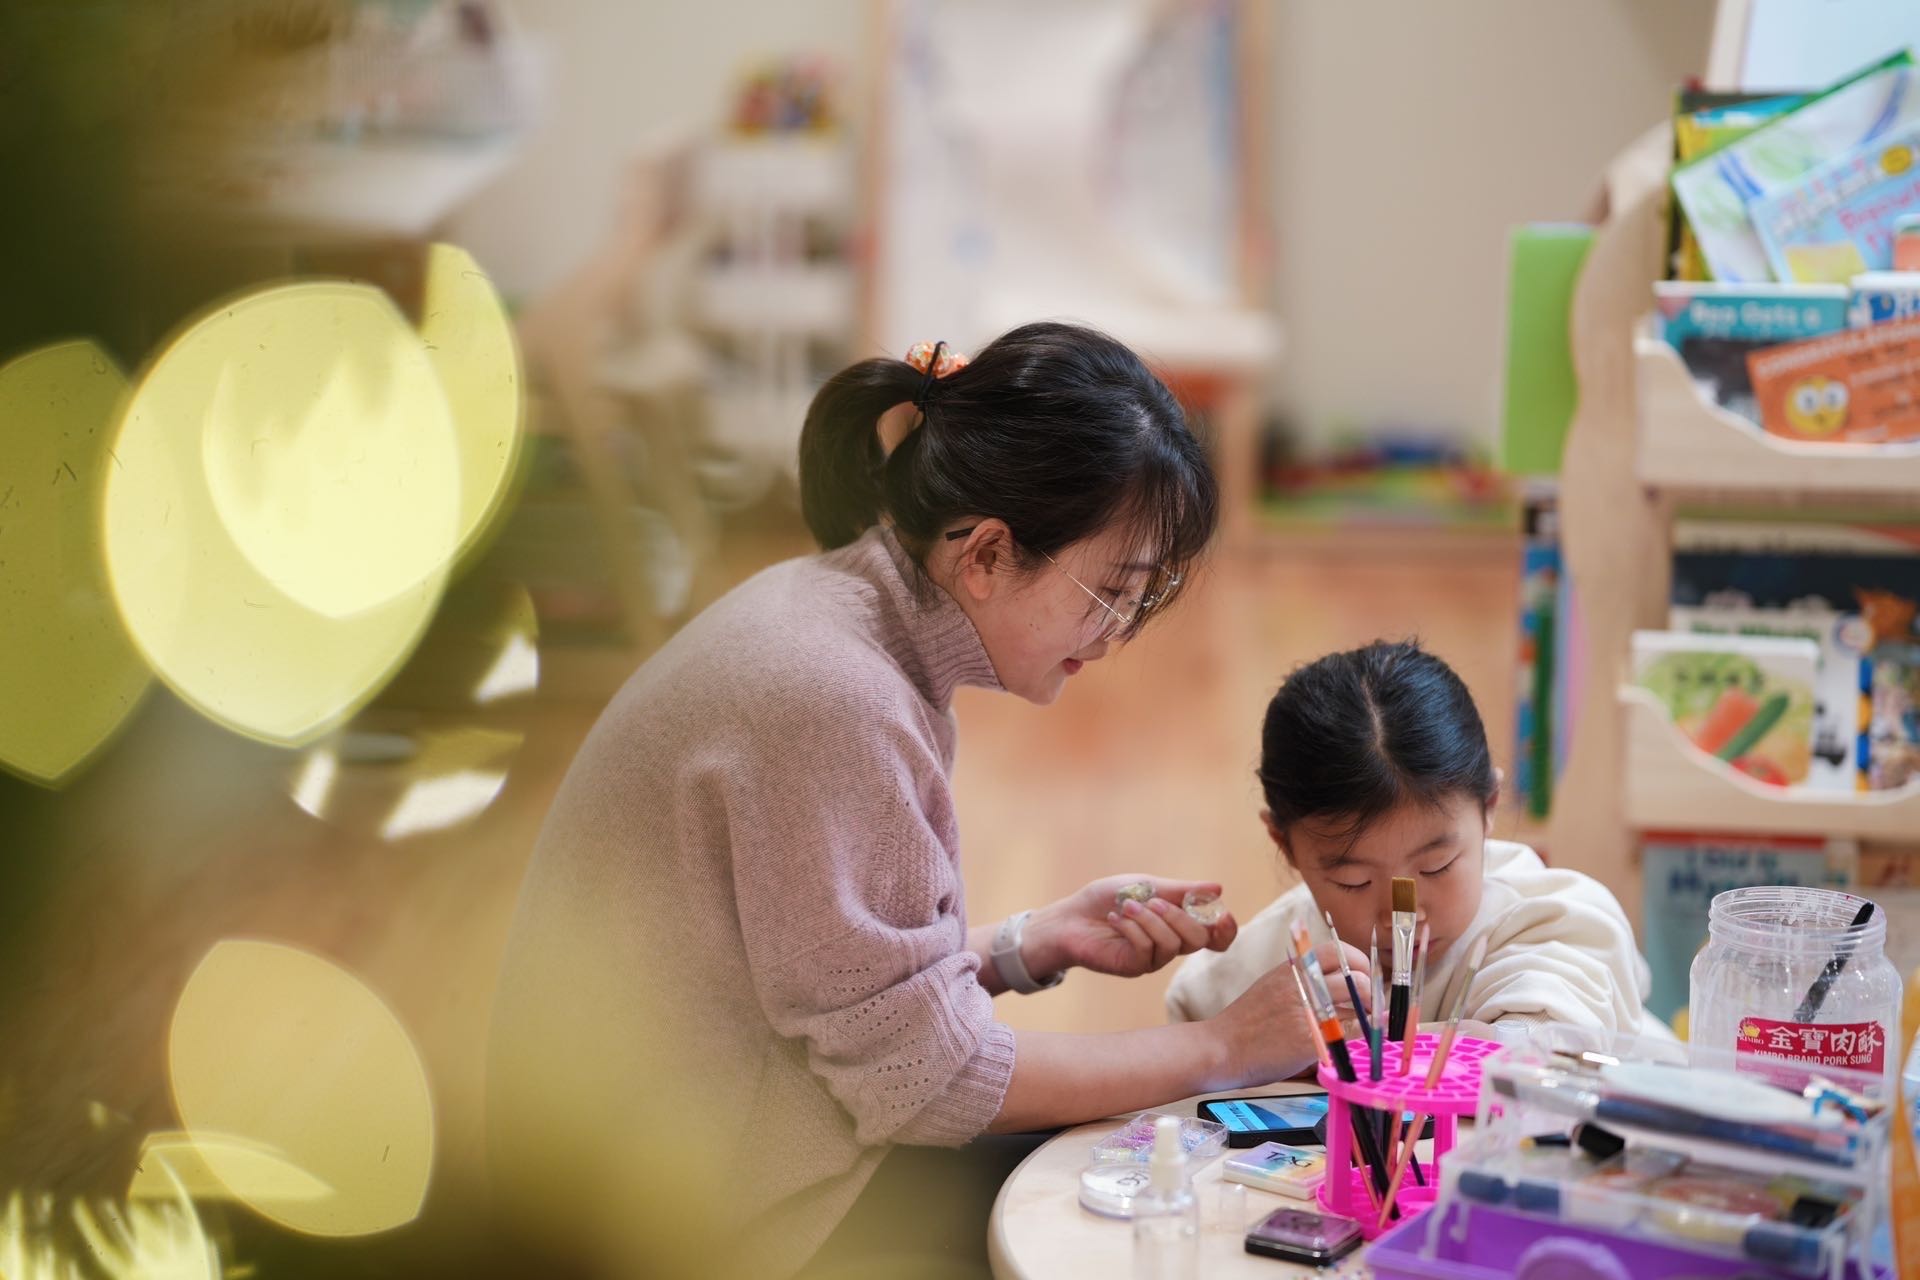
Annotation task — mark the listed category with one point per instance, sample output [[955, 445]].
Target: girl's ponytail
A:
[[841, 462]]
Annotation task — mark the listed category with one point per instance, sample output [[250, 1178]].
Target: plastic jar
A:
[[1767, 950]]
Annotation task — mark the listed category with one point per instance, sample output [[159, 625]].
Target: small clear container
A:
[[1132, 1143], [1787, 974]]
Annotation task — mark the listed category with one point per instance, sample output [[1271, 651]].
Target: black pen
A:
[[1817, 993]]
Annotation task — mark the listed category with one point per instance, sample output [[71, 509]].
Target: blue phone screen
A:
[[1246, 1115]]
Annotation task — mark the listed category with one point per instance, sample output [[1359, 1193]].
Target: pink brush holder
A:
[[1457, 1094]]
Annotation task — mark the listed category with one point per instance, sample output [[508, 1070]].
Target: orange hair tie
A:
[[935, 359]]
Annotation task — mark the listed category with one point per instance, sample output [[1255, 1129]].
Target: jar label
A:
[[1857, 1046]]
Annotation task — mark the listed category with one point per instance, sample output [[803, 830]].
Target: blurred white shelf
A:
[[1688, 444], [373, 188], [1185, 337], [796, 175], [817, 299], [661, 363], [1672, 785]]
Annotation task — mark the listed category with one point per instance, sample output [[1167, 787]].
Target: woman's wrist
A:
[[1043, 947]]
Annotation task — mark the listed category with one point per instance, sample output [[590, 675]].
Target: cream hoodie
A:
[[1559, 950]]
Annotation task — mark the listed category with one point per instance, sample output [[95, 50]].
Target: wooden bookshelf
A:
[[1690, 445], [1670, 784], [1642, 440]]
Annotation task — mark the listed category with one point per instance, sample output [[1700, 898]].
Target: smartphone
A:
[[1296, 1118], [1300, 1235]]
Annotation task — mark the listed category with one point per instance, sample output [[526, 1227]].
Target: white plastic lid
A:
[[1109, 1189]]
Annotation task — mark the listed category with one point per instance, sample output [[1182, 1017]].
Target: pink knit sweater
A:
[[744, 920]]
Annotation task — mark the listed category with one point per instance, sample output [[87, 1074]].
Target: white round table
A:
[[1038, 1230]]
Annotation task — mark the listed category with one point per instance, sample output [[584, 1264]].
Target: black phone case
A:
[[1293, 1253], [1292, 1137]]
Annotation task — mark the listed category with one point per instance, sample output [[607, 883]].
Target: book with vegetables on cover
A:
[[1747, 700]]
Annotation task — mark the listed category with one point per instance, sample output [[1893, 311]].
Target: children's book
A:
[[1746, 700], [1715, 327], [1683, 873], [1533, 739], [1704, 122], [1837, 221], [1881, 297], [1836, 693], [1860, 387], [1715, 190], [1906, 242], [1797, 553], [1890, 740]]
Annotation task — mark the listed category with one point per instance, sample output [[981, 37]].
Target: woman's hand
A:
[[1087, 930], [1267, 1035]]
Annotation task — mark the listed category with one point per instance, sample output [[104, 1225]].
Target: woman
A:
[[742, 969]]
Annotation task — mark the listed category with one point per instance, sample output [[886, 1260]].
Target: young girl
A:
[[1375, 765]]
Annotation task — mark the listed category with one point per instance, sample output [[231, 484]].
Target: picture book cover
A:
[[1703, 122], [1881, 297], [1860, 387], [1837, 221], [1716, 189], [1746, 700], [1533, 739], [1890, 742], [1715, 327], [1683, 873], [1906, 242], [1836, 693]]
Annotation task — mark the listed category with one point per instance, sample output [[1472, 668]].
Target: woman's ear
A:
[[984, 558], [1493, 801]]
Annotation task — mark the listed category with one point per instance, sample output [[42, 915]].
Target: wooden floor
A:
[[184, 834]]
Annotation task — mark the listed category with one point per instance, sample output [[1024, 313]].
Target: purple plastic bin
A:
[[1499, 1246], [1457, 1094]]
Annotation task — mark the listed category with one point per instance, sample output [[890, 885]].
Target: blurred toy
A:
[[793, 96], [1889, 617]]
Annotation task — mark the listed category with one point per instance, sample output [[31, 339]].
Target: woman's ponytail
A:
[[841, 462], [1058, 431]]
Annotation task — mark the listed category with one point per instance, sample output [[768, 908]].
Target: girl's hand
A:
[[1267, 1035], [1087, 929]]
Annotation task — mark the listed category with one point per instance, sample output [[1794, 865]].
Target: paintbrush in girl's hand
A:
[[1353, 988], [1319, 1041]]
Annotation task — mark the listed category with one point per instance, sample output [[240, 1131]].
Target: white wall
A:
[[1408, 138], [619, 74]]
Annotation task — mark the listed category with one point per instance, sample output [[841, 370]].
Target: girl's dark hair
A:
[[1055, 429], [1353, 735]]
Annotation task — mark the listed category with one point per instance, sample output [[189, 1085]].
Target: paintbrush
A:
[[1336, 1038], [1437, 1066], [1353, 988], [1376, 1033], [1419, 993], [1413, 1035], [1319, 1041], [1406, 901]]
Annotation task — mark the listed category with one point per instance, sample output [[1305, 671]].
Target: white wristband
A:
[[1009, 964]]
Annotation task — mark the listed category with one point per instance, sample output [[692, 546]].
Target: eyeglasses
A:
[[1124, 620]]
